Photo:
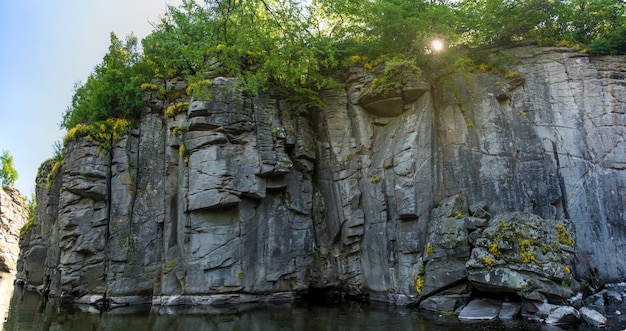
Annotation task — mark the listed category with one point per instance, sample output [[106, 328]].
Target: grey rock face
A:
[[13, 215], [243, 196], [39, 247], [525, 254]]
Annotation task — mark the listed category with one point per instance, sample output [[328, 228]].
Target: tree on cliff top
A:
[[296, 48], [8, 174], [113, 89], [267, 44]]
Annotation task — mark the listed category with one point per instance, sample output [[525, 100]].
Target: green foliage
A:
[[54, 172], [614, 44], [31, 204], [395, 73], [177, 130], [494, 249], [56, 163], [296, 48], [176, 108], [488, 262], [8, 174], [103, 134], [600, 47], [562, 236], [589, 20], [488, 22], [419, 285], [200, 89], [618, 41], [391, 27], [27, 227], [430, 249], [375, 179], [266, 44], [114, 87], [183, 153]]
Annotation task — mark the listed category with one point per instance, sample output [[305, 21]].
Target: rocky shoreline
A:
[[445, 191], [604, 308]]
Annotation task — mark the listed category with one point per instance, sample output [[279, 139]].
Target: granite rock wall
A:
[[242, 198]]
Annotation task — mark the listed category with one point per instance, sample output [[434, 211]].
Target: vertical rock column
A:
[[83, 219], [12, 217]]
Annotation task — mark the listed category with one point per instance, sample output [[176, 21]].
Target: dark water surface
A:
[[28, 311]]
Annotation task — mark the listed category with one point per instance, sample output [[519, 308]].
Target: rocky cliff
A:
[[243, 198], [13, 215]]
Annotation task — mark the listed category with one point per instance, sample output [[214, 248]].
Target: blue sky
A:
[[45, 47]]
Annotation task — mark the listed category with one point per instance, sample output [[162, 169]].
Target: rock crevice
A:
[[395, 198]]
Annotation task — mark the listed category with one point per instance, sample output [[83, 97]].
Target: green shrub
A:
[[31, 204], [600, 47], [103, 134], [114, 89], [8, 174], [395, 73], [176, 108]]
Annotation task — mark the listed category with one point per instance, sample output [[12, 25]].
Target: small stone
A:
[[481, 310], [593, 317], [563, 315], [443, 302]]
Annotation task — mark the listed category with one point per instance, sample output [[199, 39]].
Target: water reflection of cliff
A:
[[6, 291], [29, 312]]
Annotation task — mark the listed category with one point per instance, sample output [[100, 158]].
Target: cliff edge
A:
[[242, 198]]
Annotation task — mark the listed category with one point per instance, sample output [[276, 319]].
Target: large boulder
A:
[[447, 246], [524, 254]]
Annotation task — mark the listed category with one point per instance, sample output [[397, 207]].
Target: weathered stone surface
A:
[[481, 310], [593, 317], [524, 254], [563, 315], [13, 215], [245, 195], [447, 248]]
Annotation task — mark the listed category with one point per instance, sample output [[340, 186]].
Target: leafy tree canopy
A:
[[113, 89], [8, 174], [297, 47]]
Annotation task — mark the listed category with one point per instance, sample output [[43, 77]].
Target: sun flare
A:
[[437, 45]]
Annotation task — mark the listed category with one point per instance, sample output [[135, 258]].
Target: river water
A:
[[27, 311]]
